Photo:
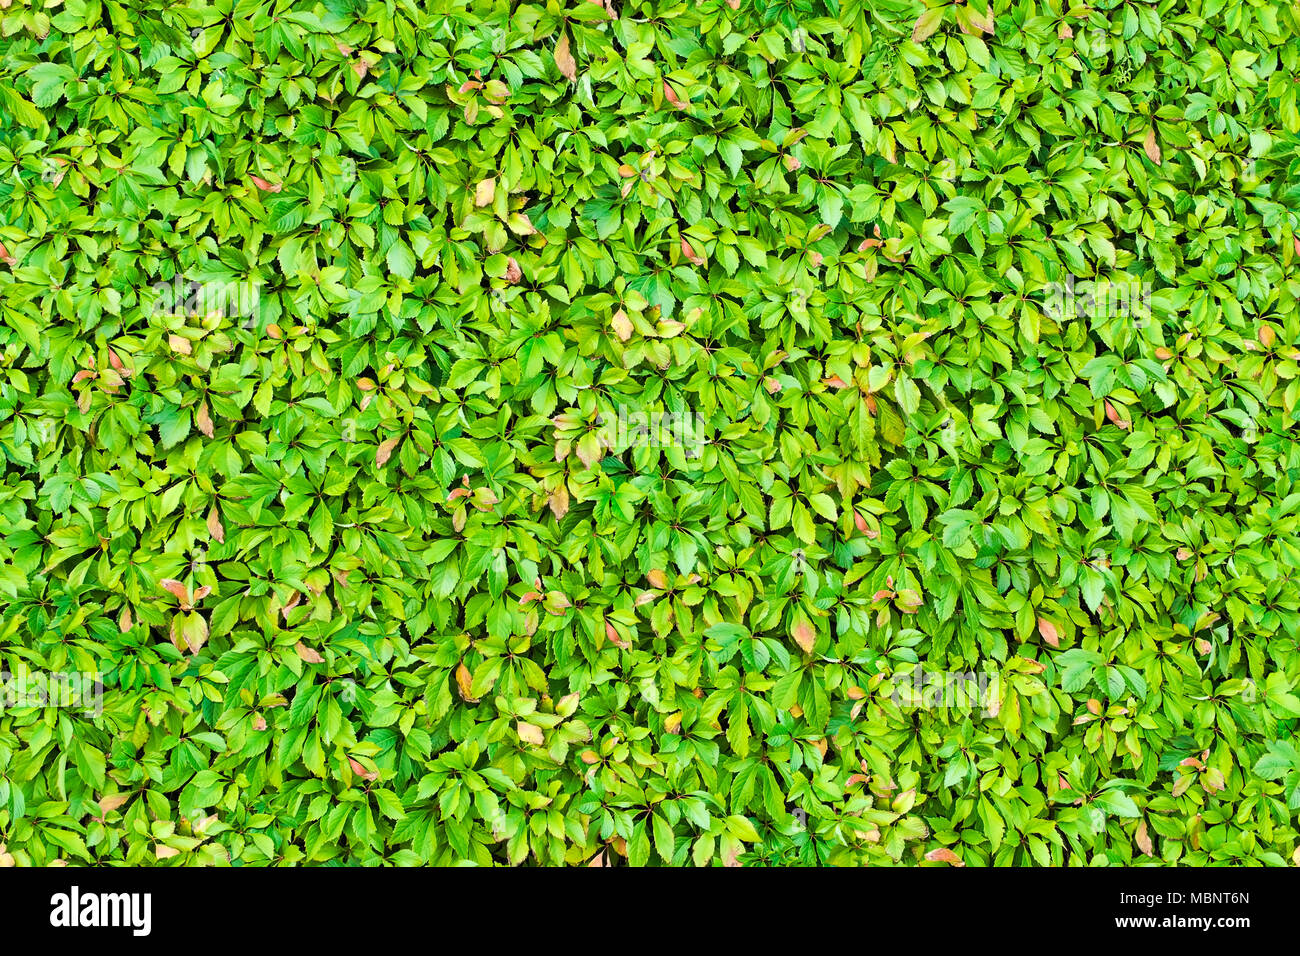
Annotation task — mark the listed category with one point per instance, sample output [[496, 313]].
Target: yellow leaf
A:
[[529, 733], [464, 682]]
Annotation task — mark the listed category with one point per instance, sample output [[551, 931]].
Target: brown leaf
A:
[[1143, 839], [1047, 630], [1065, 31], [203, 420], [215, 527], [1115, 418], [265, 186], [259, 722], [734, 4], [308, 654], [944, 855], [564, 60], [385, 451], [559, 501], [485, 192], [180, 343], [124, 620], [1150, 146], [5, 256], [165, 852], [513, 272]]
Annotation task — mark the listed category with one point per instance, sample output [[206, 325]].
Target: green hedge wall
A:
[[657, 432]]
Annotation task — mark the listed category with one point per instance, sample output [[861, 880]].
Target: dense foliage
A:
[[964, 339]]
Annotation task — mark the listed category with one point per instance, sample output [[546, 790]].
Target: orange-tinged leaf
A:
[[564, 60], [1048, 632], [385, 450], [203, 420], [180, 343], [1151, 147], [266, 187], [464, 683], [111, 802], [175, 589], [1143, 839], [215, 527], [804, 635], [308, 654]]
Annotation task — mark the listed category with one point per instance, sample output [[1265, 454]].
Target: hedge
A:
[[650, 432]]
